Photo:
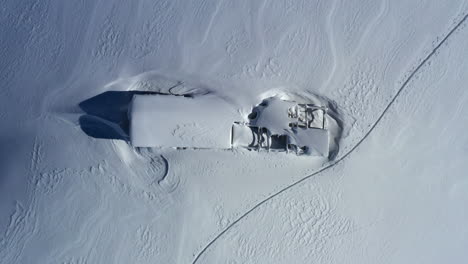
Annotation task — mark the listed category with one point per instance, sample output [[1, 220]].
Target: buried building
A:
[[180, 122], [282, 125], [208, 122]]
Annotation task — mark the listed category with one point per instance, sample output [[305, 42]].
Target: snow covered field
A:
[[74, 191]]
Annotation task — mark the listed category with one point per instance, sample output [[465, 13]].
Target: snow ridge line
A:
[[373, 126]]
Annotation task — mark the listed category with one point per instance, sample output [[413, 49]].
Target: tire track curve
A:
[[373, 126]]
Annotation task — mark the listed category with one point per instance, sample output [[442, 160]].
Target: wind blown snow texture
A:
[[70, 195]]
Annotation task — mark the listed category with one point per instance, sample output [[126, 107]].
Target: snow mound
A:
[[304, 124], [281, 123]]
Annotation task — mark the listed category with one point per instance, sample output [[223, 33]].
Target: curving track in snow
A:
[[344, 156]]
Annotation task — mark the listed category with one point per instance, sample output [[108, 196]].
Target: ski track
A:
[[260, 29], [146, 243], [23, 222], [91, 223], [213, 17], [372, 127], [147, 34], [73, 260], [56, 94], [331, 41], [383, 11]]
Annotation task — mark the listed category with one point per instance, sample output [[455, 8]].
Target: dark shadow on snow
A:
[[96, 128]]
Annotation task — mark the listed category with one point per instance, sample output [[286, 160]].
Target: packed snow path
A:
[[345, 155]]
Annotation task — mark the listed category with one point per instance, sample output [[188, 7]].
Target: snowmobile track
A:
[[373, 126]]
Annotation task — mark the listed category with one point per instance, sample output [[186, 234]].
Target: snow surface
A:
[[74, 191], [176, 121]]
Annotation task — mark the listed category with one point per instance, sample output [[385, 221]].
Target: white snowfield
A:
[[394, 188]]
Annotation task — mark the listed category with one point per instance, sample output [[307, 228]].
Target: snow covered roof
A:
[[177, 121]]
